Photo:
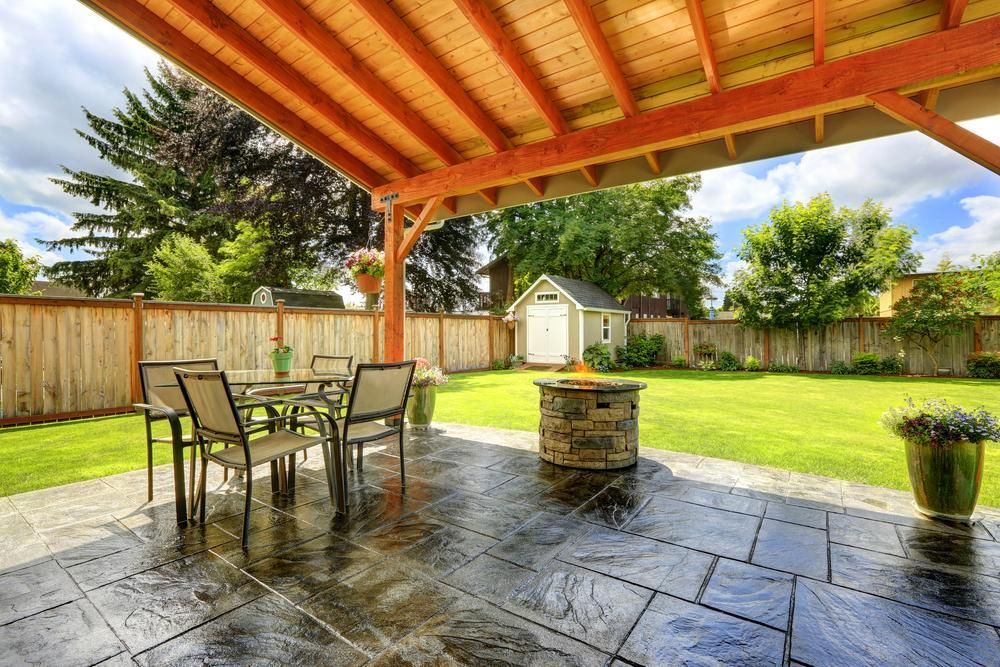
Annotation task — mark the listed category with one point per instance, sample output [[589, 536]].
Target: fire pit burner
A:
[[589, 423]]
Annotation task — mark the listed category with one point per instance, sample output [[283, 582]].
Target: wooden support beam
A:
[[491, 195], [653, 162], [706, 52], [450, 203], [175, 46], [819, 32], [820, 128], [840, 84], [950, 17], [394, 285], [590, 173], [254, 52], [482, 19], [730, 141], [601, 51], [939, 128], [536, 185], [426, 213], [397, 33], [298, 21]]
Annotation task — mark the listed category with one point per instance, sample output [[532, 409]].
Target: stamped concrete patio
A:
[[492, 557]]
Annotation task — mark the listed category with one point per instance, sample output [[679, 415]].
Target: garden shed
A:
[[302, 298], [559, 317]]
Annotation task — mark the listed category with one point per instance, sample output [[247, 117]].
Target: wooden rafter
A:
[[247, 46], [395, 30], [840, 84], [939, 128], [950, 17], [591, 174], [819, 57], [419, 225], [696, 14], [306, 28], [536, 185], [173, 44]]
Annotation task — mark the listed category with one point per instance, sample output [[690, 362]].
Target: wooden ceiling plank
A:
[[582, 13], [310, 31], [416, 52], [419, 225], [173, 44], [248, 47], [939, 128], [837, 84], [489, 28], [951, 17]]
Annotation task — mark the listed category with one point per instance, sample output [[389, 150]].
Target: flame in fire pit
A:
[[590, 383]]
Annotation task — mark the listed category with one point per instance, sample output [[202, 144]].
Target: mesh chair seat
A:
[[266, 448], [366, 431]]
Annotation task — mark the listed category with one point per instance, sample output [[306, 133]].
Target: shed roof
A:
[[586, 295], [306, 298]]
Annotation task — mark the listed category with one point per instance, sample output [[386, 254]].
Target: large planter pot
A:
[[946, 478], [368, 284], [420, 407], [281, 362]]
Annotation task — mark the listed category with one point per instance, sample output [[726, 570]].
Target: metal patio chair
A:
[[216, 419], [329, 399]]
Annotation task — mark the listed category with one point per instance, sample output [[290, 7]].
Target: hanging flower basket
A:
[[367, 266]]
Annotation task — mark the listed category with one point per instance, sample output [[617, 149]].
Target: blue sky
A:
[[56, 56]]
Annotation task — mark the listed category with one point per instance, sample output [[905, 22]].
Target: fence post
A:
[[687, 341], [491, 327], [441, 341], [375, 355], [135, 348], [861, 334], [280, 333], [977, 335], [767, 348]]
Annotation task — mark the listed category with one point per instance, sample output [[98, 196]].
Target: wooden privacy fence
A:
[[817, 350], [63, 358]]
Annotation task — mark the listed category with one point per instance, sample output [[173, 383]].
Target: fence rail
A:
[[817, 350], [76, 357]]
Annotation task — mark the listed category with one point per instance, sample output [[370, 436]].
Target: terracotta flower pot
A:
[[946, 478], [368, 284]]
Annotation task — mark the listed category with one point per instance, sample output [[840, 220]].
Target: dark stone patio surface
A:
[[492, 557]]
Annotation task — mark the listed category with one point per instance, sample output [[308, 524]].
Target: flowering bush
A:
[[280, 347], [940, 423], [426, 375], [367, 261], [511, 316]]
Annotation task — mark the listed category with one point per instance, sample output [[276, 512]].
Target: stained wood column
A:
[[394, 296]]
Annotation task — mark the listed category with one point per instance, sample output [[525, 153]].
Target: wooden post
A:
[[280, 326], [977, 335], [395, 287], [491, 326], [687, 342], [135, 348], [767, 349], [441, 350], [861, 334]]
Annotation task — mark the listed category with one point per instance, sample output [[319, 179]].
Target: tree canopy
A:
[[812, 263], [635, 239], [17, 272], [202, 179]]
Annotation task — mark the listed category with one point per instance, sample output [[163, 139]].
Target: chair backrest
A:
[[332, 364], [154, 375], [210, 402], [380, 390]]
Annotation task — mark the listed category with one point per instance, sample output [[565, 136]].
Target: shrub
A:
[[679, 361], [499, 365], [984, 365], [704, 349], [892, 365], [728, 362], [840, 368], [514, 360], [783, 368], [751, 363], [707, 364], [598, 357], [866, 363], [640, 351]]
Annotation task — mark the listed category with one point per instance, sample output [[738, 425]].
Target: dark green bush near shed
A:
[[598, 357], [641, 350], [984, 365]]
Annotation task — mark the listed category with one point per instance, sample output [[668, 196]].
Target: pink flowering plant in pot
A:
[[426, 379], [281, 356], [945, 451], [368, 267]]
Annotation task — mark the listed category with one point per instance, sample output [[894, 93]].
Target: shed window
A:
[[605, 328], [546, 297]]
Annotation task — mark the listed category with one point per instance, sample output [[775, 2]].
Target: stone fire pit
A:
[[589, 423]]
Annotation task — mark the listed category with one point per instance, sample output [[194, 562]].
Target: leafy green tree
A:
[[940, 305], [987, 269], [812, 264], [629, 240], [17, 272], [183, 270]]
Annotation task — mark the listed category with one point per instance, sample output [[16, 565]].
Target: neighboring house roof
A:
[[586, 295], [485, 269], [49, 288], [305, 298]]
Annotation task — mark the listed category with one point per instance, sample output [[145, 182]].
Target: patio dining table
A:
[[244, 380]]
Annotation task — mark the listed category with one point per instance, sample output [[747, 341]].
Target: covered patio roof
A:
[[453, 107]]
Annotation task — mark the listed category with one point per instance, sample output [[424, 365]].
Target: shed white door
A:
[[548, 333]]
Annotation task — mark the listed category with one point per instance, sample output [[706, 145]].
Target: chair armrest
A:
[[173, 418]]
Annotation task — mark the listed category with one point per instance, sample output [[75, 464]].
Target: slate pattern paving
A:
[[490, 556]]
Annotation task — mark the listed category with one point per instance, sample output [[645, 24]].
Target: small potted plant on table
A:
[[420, 408], [281, 357], [945, 449], [368, 267]]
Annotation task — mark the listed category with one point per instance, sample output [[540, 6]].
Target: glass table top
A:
[[266, 376]]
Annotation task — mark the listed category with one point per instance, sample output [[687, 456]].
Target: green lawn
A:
[[821, 424]]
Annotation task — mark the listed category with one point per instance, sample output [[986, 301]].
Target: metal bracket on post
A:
[[387, 200]]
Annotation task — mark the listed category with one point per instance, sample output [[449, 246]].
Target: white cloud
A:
[[27, 227], [960, 243], [900, 171]]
